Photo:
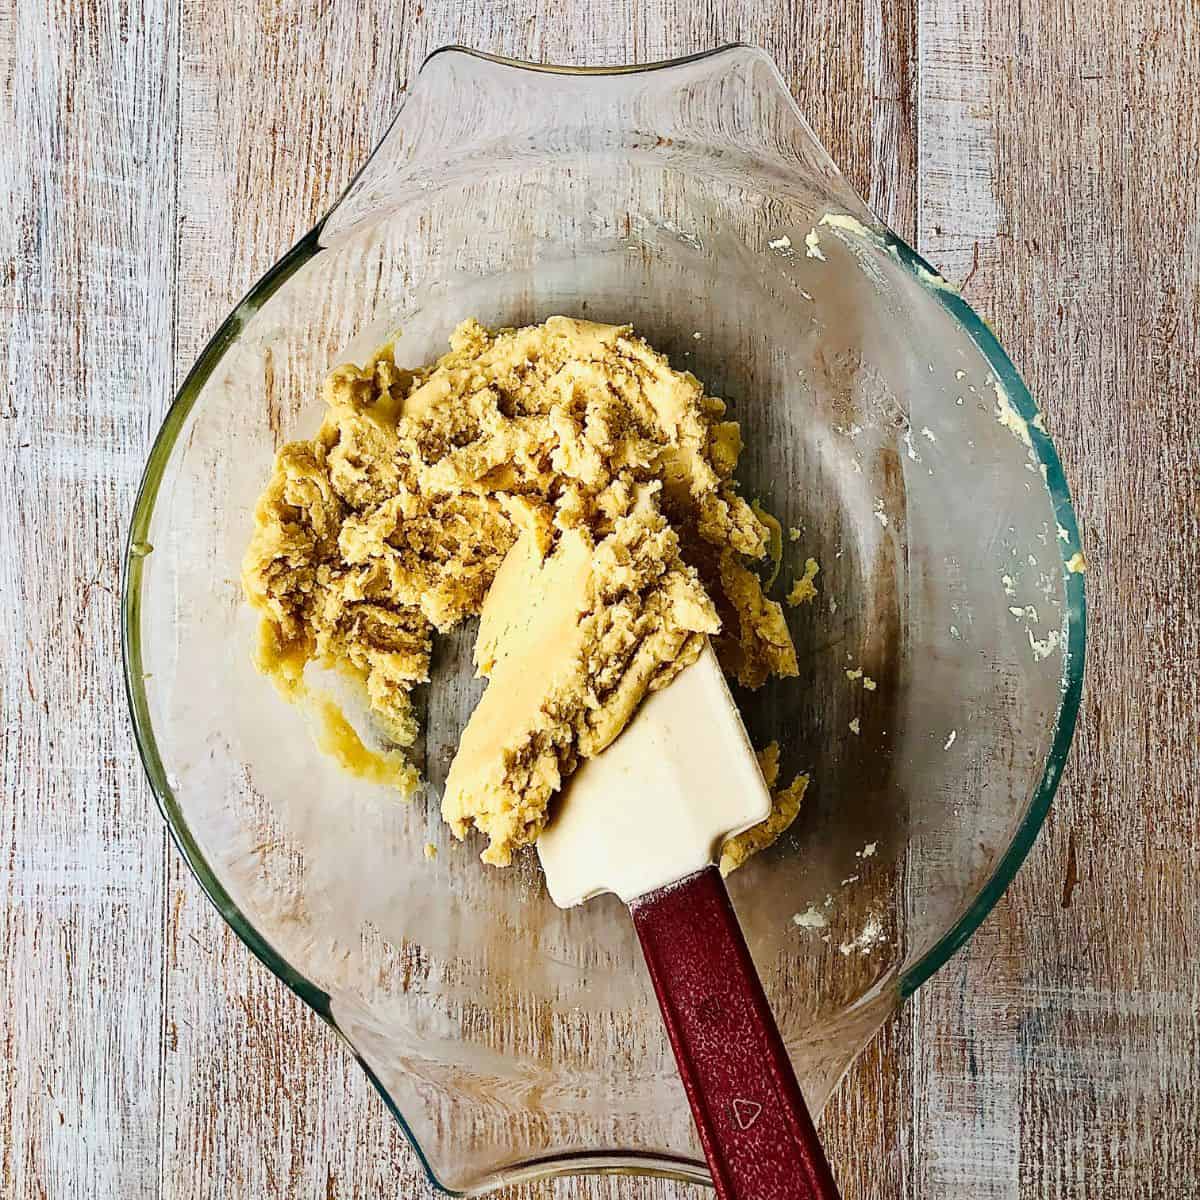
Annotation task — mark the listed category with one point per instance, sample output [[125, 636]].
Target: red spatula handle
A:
[[757, 1135]]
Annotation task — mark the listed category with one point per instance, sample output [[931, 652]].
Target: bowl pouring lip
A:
[[138, 548]]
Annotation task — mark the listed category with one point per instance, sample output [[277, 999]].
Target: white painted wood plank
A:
[[1058, 1056], [86, 229]]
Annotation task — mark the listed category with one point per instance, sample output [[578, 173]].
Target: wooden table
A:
[[157, 157]]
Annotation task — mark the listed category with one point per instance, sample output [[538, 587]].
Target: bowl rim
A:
[[1074, 638]]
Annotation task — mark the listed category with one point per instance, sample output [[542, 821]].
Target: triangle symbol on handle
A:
[[745, 1113]]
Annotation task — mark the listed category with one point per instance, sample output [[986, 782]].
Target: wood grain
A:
[[164, 155], [89, 113], [1058, 1056]]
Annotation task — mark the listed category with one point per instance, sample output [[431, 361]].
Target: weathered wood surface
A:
[[161, 156]]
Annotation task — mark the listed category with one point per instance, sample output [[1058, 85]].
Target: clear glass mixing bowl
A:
[[883, 423]]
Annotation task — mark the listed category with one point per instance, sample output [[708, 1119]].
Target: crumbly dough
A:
[[570, 643], [615, 471], [804, 588], [785, 806]]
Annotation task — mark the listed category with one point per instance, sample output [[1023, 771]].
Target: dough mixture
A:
[[612, 476]]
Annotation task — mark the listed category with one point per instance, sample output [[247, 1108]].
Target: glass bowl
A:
[[886, 429]]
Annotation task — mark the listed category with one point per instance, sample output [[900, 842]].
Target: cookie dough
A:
[[614, 470], [570, 643], [804, 588], [785, 807]]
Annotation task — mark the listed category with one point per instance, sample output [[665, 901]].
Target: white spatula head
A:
[[658, 803]]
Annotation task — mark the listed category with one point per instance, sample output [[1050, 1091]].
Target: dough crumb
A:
[[768, 764], [804, 589], [810, 918], [430, 851], [868, 938], [785, 806]]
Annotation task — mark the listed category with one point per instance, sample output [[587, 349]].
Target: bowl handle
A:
[[469, 112]]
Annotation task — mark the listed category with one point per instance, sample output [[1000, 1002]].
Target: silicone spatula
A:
[[646, 819]]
